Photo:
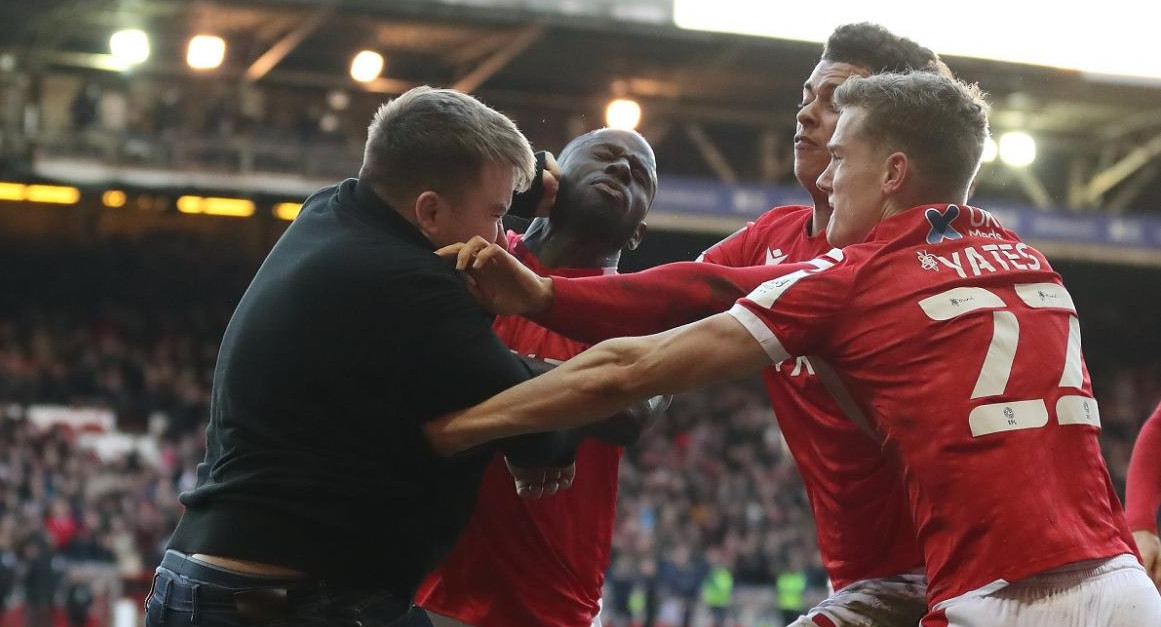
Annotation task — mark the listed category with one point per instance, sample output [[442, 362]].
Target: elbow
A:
[[443, 438]]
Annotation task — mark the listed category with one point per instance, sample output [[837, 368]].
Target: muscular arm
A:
[[605, 379], [593, 309]]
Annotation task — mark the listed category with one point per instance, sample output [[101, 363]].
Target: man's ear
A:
[[429, 207], [898, 173], [637, 236]]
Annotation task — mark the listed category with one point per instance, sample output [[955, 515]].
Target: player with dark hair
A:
[[1143, 494], [865, 536], [529, 563], [938, 331]]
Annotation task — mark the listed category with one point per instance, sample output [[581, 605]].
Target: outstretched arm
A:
[[1143, 494], [592, 309], [605, 379]]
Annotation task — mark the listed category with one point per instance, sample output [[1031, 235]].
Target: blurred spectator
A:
[[40, 579], [83, 110], [791, 585], [78, 602], [682, 576], [718, 590]]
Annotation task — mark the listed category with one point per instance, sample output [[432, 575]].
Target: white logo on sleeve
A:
[[774, 256]]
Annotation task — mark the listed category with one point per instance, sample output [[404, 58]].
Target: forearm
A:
[[593, 309], [606, 379], [583, 390], [1143, 489], [554, 448]]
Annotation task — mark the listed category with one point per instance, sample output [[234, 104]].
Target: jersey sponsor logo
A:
[[774, 256], [1045, 295], [983, 224], [767, 293], [941, 224]]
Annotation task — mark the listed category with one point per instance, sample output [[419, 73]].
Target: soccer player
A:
[[1143, 494], [529, 563], [865, 535], [938, 330]]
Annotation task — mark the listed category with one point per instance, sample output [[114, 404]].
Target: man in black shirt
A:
[[320, 499]]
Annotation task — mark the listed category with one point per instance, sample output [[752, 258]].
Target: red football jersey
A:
[[1143, 485], [863, 523], [961, 346], [532, 562]]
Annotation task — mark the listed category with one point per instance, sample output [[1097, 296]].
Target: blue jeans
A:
[[189, 592]]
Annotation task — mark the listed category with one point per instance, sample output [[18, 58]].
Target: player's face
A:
[[817, 117], [478, 209], [853, 181], [609, 182]]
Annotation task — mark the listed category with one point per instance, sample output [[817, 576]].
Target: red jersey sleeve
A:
[[793, 314], [1143, 489], [593, 309], [731, 251]]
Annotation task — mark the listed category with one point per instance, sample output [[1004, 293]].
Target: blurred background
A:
[[151, 152]]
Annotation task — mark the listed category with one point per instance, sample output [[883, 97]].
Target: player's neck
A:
[[563, 248], [821, 214]]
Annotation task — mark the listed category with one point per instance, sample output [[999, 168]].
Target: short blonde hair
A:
[[938, 121]]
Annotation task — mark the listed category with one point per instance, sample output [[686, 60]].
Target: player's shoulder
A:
[[784, 216]]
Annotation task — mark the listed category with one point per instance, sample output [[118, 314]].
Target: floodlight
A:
[[129, 47], [1017, 148], [205, 52], [623, 113], [366, 66]]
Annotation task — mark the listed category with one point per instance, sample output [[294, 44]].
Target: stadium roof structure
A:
[[716, 106]]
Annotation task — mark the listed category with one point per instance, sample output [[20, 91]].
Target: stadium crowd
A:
[[712, 518]]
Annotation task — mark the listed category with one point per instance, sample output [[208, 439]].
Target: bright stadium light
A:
[[623, 113], [205, 52], [129, 47], [366, 66], [114, 198], [1114, 46], [990, 150], [1017, 148]]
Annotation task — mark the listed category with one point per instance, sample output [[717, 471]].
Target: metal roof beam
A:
[[498, 59], [284, 46]]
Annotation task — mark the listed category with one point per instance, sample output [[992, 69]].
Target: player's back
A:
[[862, 519], [963, 347]]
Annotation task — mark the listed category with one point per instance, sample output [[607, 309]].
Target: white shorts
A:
[[1112, 592], [439, 620], [898, 601]]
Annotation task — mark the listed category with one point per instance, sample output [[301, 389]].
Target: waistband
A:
[[1076, 572], [1060, 578], [216, 575]]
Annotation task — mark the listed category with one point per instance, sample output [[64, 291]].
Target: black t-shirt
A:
[[351, 335]]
